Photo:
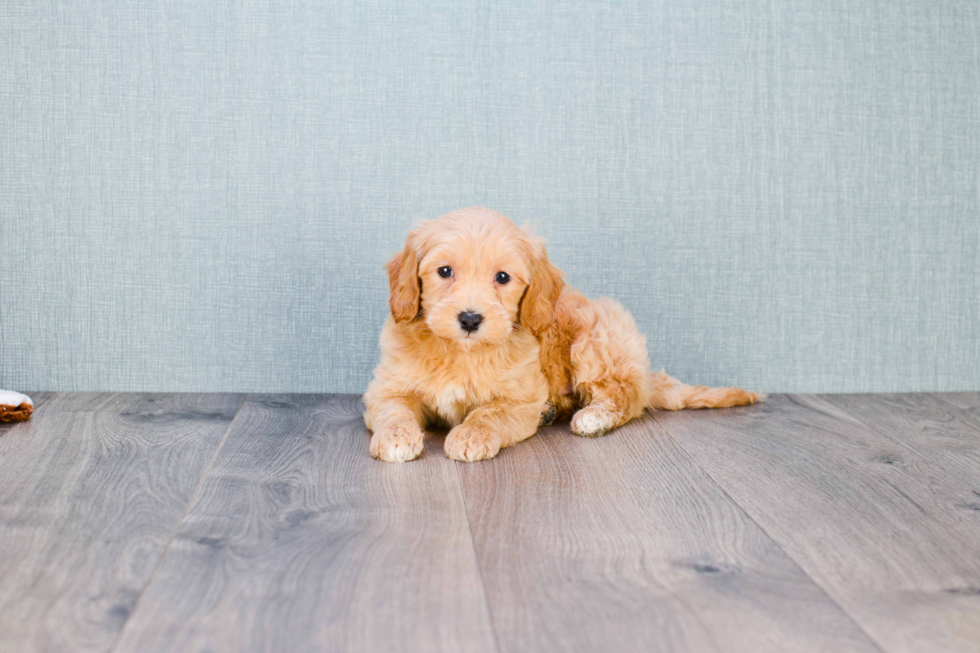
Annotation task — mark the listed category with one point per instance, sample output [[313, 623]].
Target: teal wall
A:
[[201, 195]]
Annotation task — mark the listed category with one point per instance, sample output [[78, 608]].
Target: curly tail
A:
[[670, 394]]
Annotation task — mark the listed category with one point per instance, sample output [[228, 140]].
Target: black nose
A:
[[470, 321]]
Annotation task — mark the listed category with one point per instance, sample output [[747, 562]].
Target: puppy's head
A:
[[472, 276]]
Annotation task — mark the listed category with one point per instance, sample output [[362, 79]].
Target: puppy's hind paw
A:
[[592, 422], [549, 415], [397, 444]]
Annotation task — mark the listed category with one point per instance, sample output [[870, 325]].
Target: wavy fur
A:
[[542, 350]]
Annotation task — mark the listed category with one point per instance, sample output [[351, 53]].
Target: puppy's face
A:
[[472, 276], [472, 288]]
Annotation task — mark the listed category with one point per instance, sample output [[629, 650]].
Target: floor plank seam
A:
[[180, 521], [899, 442], [43, 401], [476, 557], [775, 542], [891, 437]]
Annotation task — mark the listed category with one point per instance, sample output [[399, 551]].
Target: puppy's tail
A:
[[670, 394]]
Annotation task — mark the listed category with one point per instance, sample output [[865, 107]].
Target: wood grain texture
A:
[[300, 541], [943, 441], [872, 518], [92, 488], [964, 400], [621, 543]]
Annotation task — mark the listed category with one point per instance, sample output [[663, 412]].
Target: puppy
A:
[[486, 339]]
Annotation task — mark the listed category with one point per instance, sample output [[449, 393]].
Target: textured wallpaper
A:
[[201, 195]]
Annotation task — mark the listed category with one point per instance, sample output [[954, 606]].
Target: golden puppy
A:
[[485, 337]]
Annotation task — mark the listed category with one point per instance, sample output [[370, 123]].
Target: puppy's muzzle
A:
[[470, 321]]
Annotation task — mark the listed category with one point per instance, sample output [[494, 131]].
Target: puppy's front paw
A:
[[592, 421], [397, 444], [470, 443]]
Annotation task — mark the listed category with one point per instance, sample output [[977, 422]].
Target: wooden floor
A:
[[237, 523]]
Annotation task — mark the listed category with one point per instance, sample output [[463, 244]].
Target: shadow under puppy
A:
[[485, 338]]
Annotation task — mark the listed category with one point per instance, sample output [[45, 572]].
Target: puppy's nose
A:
[[470, 321]]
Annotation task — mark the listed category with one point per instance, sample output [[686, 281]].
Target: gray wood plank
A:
[[300, 541], [621, 543], [945, 437], [964, 400], [873, 519], [92, 488]]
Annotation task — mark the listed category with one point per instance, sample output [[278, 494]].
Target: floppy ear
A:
[[538, 305], [403, 279]]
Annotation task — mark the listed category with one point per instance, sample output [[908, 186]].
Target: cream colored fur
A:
[[543, 351]]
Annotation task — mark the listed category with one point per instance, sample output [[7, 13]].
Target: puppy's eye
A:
[[445, 272], [502, 278]]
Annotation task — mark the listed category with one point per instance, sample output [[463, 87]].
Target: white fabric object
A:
[[14, 399]]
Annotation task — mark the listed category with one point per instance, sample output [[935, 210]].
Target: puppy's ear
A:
[[403, 279], [538, 305]]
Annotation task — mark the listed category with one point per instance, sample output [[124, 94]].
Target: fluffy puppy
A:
[[486, 339]]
